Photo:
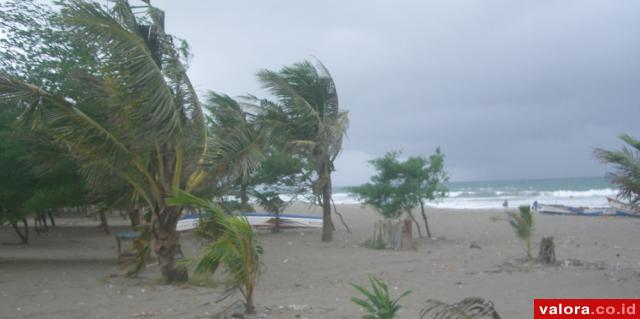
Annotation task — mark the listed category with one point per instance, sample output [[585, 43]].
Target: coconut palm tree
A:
[[138, 117], [523, 226], [227, 119], [308, 114], [627, 165], [234, 247]]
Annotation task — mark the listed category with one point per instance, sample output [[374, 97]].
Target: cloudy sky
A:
[[508, 89]]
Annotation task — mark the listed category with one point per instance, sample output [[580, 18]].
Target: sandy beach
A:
[[71, 271]]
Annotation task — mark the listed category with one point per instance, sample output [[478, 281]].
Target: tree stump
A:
[[393, 234], [547, 253], [407, 235]]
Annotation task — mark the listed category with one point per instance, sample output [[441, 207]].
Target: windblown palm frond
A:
[[143, 90], [523, 226], [139, 117], [237, 154], [236, 248], [626, 163], [468, 308]]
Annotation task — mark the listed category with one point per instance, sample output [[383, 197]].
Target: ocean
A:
[[582, 191]]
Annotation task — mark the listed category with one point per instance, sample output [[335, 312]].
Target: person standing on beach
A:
[[505, 204]]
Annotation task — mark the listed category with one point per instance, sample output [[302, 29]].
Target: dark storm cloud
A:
[[508, 89]]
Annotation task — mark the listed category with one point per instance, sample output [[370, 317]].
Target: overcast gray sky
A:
[[508, 89]]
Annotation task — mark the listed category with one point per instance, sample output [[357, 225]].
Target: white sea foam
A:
[[472, 200]]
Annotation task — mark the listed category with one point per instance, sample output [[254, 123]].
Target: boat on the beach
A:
[[570, 210], [617, 208], [260, 220], [623, 209]]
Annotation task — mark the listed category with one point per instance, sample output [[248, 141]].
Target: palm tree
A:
[[228, 119], [627, 165], [523, 226], [308, 114], [235, 248], [378, 303], [138, 117]]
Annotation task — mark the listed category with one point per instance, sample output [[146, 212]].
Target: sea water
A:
[[582, 192]]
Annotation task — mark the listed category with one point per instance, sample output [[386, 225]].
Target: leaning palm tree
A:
[[234, 247], [308, 114], [138, 117], [227, 119], [627, 165]]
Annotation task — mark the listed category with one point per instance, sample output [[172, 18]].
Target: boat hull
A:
[[260, 220]]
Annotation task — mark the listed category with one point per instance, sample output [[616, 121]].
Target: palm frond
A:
[[238, 154], [626, 163], [468, 308], [128, 60], [235, 247]]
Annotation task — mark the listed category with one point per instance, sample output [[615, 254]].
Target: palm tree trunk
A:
[[103, 222], [134, 215], [166, 244], [249, 307], [327, 224], [244, 197], [424, 216]]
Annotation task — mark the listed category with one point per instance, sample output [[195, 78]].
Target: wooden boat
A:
[[260, 220], [570, 210], [623, 209], [267, 220]]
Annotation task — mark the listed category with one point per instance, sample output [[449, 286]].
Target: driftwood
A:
[[393, 234], [547, 253]]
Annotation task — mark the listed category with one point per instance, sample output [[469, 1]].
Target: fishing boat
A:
[[570, 210], [623, 209], [260, 220]]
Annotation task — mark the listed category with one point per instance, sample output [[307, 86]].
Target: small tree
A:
[[427, 177], [401, 186], [280, 172], [388, 192], [523, 227]]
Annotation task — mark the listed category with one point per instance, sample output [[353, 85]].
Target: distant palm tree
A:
[[227, 120], [138, 117], [627, 165], [308, 114]]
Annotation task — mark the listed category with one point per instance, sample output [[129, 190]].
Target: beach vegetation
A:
[[626, 163], [234, 249], [308, 116], [377, 302], [130, 112], [427, 177], [280, 174], [228, 119], [401, 186], [523, 226]]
